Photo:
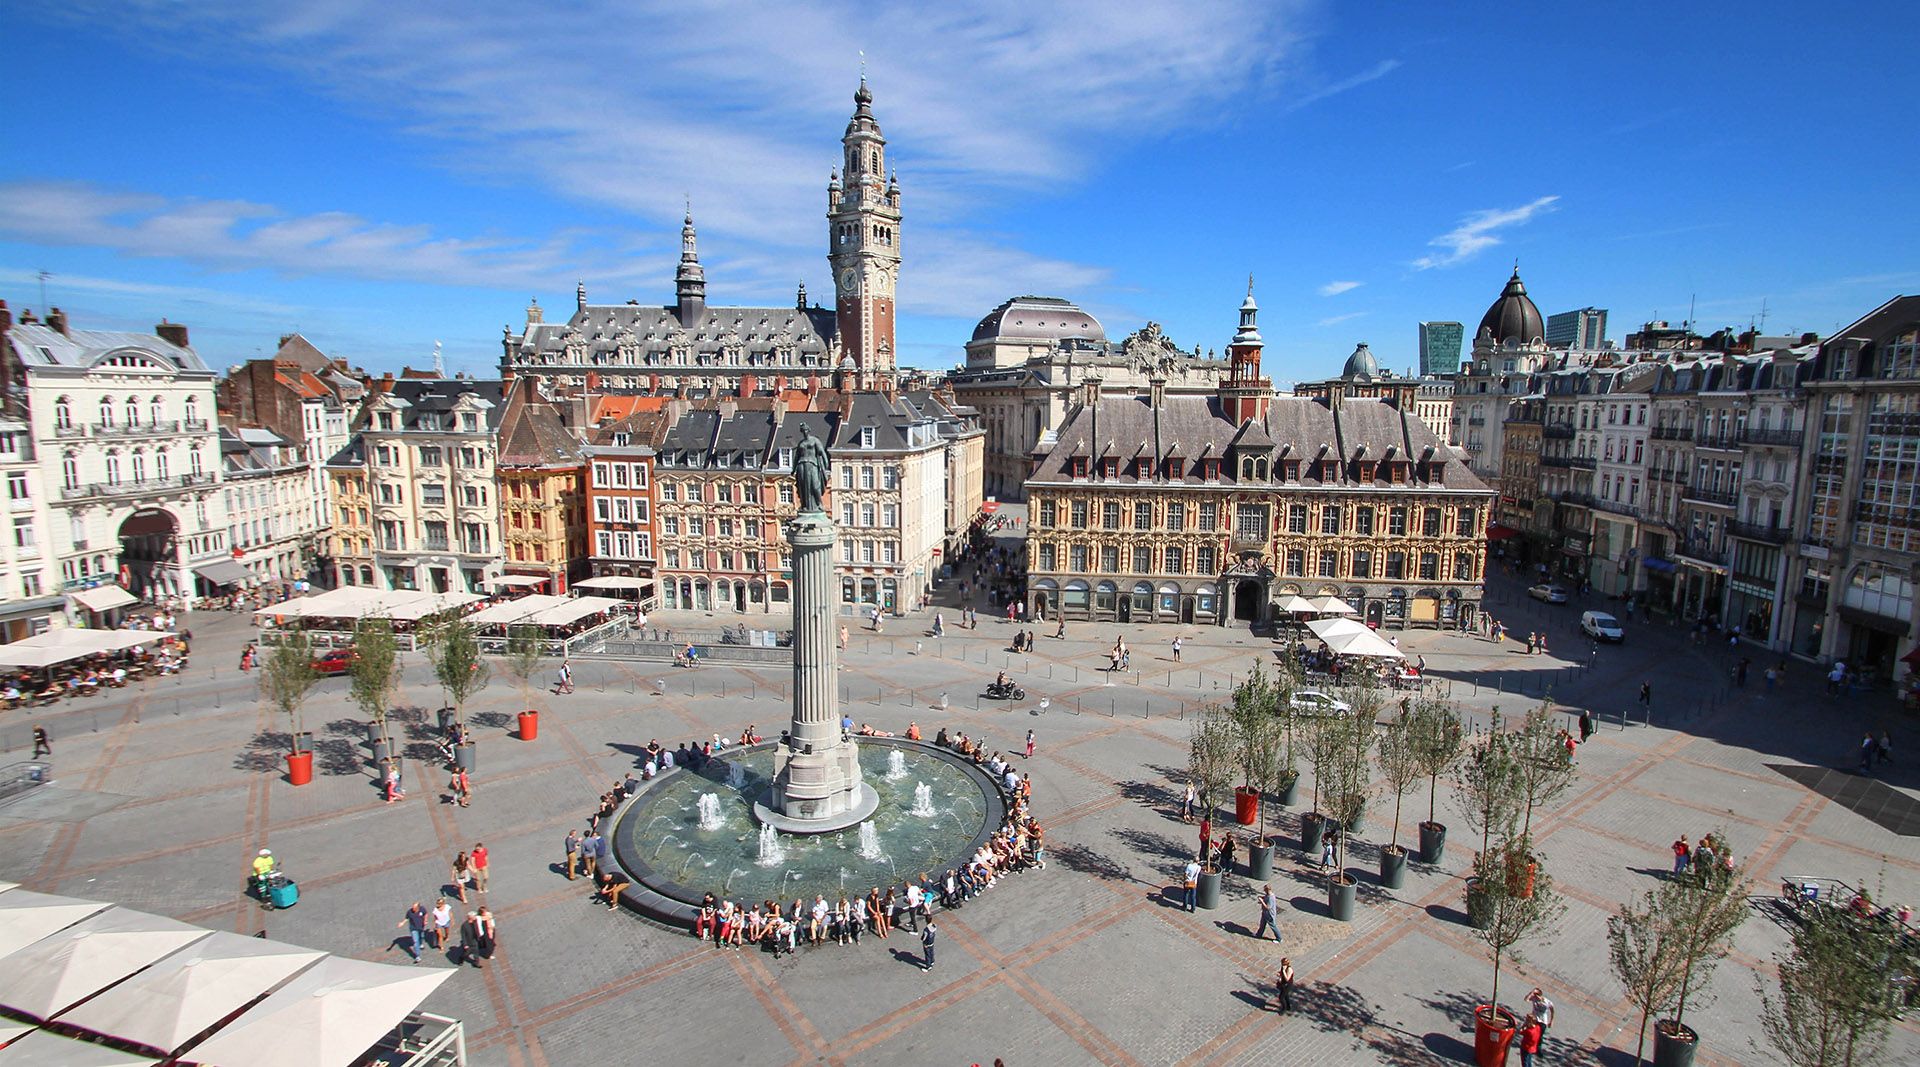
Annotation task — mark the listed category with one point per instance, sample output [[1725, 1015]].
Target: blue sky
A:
[[381, 176]]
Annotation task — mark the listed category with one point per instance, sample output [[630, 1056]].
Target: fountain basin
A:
[[668, 887]]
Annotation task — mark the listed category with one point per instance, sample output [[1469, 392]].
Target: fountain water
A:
[[896, 765], [662, 844], [772, 852], [691, 856], [736, 775], [870, 842], [731, 875], [710, 816], [923, 801]]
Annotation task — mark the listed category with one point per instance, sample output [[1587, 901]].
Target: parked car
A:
[[334, 661], [1601, 627], [1549, 592], [1315, 703]]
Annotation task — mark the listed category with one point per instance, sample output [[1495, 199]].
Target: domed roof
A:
[[1361, 365], [1513, 317], [1038, 318]]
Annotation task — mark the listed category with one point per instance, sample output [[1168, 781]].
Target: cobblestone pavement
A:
[[165, 792]]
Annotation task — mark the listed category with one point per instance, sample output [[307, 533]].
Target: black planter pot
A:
[[463, 757], [1340, 898], [1433, 841], [1393, 867], [1674, 1050], [1313, 828], [1209, 890], [1476, 905], [1291, 793], [1259, 862]]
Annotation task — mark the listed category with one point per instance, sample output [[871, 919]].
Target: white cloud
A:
[[1338, 319], [1336, 288], [1374, 73], [1477, 232]]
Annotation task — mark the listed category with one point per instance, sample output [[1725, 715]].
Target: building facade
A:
[[274, 528], [1440, 347], [1208, 509], [1584, 329], [1509, 347], [542, 491]]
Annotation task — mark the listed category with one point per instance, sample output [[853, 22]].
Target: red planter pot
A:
[[1493, 1030], [529, 725], [1246, 806], [300, 767]]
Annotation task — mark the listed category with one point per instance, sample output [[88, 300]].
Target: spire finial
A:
[[1249, 283]]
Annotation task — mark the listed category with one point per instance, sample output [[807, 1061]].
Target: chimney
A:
[[748, 384], [57, 319], [1157, 390], [173, 333]]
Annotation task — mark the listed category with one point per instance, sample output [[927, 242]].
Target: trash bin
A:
[[529, 724]]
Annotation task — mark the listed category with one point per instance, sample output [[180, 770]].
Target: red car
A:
[[335, 661]]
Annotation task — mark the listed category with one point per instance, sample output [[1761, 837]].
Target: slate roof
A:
[[421, 399], [38, 345], [637, 335], [532, 433]]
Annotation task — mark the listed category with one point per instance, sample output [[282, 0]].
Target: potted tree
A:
[[1286, 783], [1210, 753], [1250, 717], [1326, 733], [454, 650], [1664, 949], [286, 677], [1489, 783], [1348, 778], [1435, 736], [526, 651], [1505, 920], [1399, 765], [372, 674], [1544, 769], [1835, 1000]]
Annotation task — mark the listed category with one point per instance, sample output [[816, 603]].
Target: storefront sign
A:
[[1751, 589]]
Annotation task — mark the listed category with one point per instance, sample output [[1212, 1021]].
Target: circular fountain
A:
[[685, 834]]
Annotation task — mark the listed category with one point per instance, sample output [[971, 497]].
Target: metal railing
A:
[[1724, 441], [1585, 463], [1754, 531], [1671, 433], [1616, 507], [1560, 430], [1710, 496], [1660, 475], [144, 486], [1763, 435], [19, 779]]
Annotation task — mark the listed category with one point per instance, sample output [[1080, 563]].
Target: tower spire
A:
[[690, 281]]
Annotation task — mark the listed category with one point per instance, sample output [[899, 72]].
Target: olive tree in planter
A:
[[1488, 778], [1399, 765], [1210, 754], [1349, 775], [1325, 734], [1546, 767], [1664, 949], [1250, 717], [1508, 912], [286, 677], [526, 652], [1286, 781], [454, 650], [1835, 1001], [372, 676], [1435, 736]]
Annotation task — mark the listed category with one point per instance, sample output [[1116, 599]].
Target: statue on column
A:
[[810, 466]]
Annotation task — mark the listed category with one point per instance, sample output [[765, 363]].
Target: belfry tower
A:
[[863, 245]]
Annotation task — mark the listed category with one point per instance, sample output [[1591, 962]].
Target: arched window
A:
[[63, 414], [160, 463], [70, 470], [139, 465], [193, 409], [133, 411], [113, 468], [106, 412], [193, 461], [156, 408]]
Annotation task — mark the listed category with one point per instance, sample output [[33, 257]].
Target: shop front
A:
[[1750, 607], [1662, 592]]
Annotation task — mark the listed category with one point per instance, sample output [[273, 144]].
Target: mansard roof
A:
[[613, 335]]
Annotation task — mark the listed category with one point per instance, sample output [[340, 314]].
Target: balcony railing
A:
[[1616, 507], [1555, 461], [1585, 463], [1754, 531], [1559, 430], [138, 429], [1699, 548], [1725, 441], [1763, 435], [1672, 433], [1574, 497], [1710, 496], [1659, 475], [140, 488], [1476, 420]]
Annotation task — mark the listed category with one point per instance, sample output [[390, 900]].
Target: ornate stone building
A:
[[632, 346], [1207, 508], [1508, 347], [1026, 365], [543, 509]]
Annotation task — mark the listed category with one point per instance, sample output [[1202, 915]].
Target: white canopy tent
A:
[[613, 581], [167, 1004], [1295, 605], [327, 1016], [26, 917], [42, 1049], [59, 646], [512, 611], [1332, 605], [66, 967], [517, 581], [1349, 638], [425, 604], [10, 1030], [574, 610]]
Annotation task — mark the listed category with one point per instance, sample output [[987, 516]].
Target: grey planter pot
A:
[[380, 752], [1291, 793], [1674, 1050], [1208, 894], [463, 757], [1260, 862], [1433, 842], [1393, 867], [1313, 829], [1340, 893]]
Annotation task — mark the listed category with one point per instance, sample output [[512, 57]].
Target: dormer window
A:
[[1175, 467], [866, 437], [1077, 467], [1364, 470], [1397, 473], [1143, 468], [1110, 468], [1210, 469]]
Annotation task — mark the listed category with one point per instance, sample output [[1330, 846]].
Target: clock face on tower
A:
[[849, 278]]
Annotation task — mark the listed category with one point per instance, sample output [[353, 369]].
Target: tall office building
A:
[[1583, 330], [1440, 348]]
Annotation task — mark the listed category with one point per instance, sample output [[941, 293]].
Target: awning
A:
[[1498, 532], [224, 572], [327, 1016], [1654, 563], [170, 1002], [59, 646], [1349, 638], [1332, 605], [103, 598], [574, 610], [58, 971], [614, 581], [516, 581], [43, 1049]]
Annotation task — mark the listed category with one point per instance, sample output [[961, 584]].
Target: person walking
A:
[[1586, 725], [1191, 884], [1176, 650], [1186, 803], [478, 937], [1646, 695], [927, 936], [1542, 1010], [42, 743], [442, 922], [1883, 750], [1029, 744], [415, 923], [1206, 834], [462, 876], [478, 857], [1867, 748], [1283, 986], [573, 854], [462, 788], [1682, 855], [1269, 912]]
